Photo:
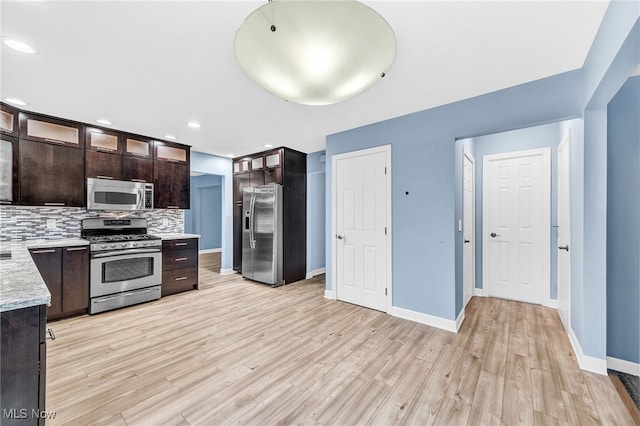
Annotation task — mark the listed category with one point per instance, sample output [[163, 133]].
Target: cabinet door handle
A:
[[180, 259], [76, 248], [173, 207], [106, 150], [54, 141], [138, 180], [180, 278], [181, 244], [54, 204], [52, 335], [43, 251], [104, 177]]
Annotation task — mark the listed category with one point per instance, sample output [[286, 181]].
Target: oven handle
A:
[[127, 251]]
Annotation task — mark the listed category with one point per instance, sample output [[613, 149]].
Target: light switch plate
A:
[[459, 225]]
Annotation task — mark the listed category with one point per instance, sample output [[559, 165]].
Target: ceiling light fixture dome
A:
[[315, 52]]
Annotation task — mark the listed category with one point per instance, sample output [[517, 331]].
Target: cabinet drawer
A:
[[179, 280], [188, 243], [176, 259]]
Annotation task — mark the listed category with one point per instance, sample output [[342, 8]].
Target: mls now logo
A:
[[23, 413]]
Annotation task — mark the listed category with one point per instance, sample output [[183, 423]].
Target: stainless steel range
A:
[[126, 262]]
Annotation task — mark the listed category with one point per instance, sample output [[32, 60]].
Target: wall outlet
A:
[[165, 221], [51, 224]]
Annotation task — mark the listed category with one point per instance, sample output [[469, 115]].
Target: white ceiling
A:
[[151, 66]]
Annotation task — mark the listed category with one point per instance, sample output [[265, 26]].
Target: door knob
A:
[[493, 235], [564, 247], [339, 236], [467, 241]]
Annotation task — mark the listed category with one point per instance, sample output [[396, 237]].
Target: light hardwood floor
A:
[[241, 352]]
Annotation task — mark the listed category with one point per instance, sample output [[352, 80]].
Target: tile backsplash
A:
[[30, 223]]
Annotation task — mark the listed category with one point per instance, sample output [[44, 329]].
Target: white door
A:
[[516, 222], [564, 230], [362, 214], [468, 227]]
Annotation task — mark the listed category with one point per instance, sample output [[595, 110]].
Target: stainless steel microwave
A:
[[107, 194]]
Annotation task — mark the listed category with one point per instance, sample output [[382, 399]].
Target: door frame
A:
[[545, 153], [334, 195], [467, 154], [566, 140]]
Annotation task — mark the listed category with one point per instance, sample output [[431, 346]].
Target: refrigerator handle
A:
[[252, 241]]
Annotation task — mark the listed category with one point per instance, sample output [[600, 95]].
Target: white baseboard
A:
[[477, 292], [328, 294], [623, 366], [315, 272], [227, 271], [213, 250], [460, 320], [588, 363], [445, 324], [551, 303]]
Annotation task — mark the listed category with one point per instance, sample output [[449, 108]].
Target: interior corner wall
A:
[[614, 54], [623, 223], [315, 212], [214, 165], [423, 181]]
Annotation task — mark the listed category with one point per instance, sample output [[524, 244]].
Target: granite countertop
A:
[[21, 285], [176, 236]]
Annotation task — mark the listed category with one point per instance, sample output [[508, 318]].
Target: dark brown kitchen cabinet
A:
[[8, 120], [179, 265], [103, 140], [51, 175], [171, 175], [242, 165], [171, 189], [103, 165], [288, 168], [42, 128], [23, 355], [9, 170], [137, 160], [65, 271]]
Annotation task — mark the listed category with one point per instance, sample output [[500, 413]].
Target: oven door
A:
[[124, 270]]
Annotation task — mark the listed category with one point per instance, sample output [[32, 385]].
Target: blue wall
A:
[[623, 223], [614, 54], [205, 215], [544, 136], [214, 165], [315, 211], [424, 224]]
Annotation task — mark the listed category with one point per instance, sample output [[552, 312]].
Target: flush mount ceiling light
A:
[[315, 52], [20, 46], [104, 121]]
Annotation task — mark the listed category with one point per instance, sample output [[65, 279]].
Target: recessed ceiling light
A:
[[230, 155], [14, 101], [268, 145], [194, 124], [104, 121], [169, 136], [20, 46]]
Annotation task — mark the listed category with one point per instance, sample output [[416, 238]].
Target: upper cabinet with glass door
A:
[[8, 120], [41, 128]]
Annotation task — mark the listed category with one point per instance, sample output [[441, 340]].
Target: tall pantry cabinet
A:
[[288, 168]]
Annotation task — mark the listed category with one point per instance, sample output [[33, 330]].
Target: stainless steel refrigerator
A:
[[262, 234]]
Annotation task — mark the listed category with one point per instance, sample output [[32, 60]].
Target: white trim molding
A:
[[460, 320], [551, 303], [227, 272], [588, 363], [433, 321], [328, 294], [315, 272], [478, 292], [213, 250], [623, 366]]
